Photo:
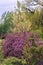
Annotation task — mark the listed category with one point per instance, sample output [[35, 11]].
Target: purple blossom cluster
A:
[[14, 43]]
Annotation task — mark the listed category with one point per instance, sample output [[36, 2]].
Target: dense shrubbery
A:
[[21, 48], [14, 44], [1, 51], [13, 61], [33, 55]]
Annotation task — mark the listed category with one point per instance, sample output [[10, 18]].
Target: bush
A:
[[14, 44], [33, 55], [12, 61], [1, 51]]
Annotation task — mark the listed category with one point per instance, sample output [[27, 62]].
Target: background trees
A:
[[7, 23]]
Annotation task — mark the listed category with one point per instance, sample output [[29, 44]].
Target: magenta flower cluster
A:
[[14, 44]]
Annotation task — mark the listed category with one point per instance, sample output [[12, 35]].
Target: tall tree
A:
[[7, 24]]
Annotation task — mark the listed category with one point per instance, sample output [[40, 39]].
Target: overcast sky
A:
[[7, 5]]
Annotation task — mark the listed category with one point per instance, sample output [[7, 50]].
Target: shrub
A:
[[1, 51], [12, 61], [33, 55], [37, 41], [14, 44]]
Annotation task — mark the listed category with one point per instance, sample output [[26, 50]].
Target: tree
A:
[[21, 19], [7, 24]]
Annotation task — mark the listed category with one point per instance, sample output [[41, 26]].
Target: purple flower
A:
[[14, 43]]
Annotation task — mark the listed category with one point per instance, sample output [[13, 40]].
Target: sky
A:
[[7, 5]]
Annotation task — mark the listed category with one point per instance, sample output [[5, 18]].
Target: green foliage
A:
[[36, 19], [33, 54], [7, 24], [41, 18], [1, 51], [12, 61], [1, 28], [23, 21], [37, 23], [18, 4]]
